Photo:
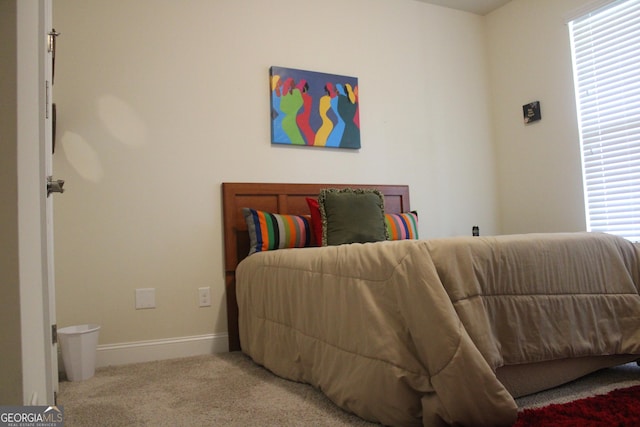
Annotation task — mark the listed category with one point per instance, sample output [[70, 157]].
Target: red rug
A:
[[619, 407]]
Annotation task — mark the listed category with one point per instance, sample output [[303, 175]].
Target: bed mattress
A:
[[412, 332]]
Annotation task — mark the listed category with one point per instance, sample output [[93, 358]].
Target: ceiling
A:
[[480, 7]]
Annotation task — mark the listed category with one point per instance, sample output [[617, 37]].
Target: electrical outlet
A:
[[204, 296], [145, 298]]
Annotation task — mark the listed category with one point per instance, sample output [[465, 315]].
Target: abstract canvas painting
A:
[[314, 109]]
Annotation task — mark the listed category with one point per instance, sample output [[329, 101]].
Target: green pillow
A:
[[352, 216]]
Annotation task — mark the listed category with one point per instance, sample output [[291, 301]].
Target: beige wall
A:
[[160, 101], [539, 171]]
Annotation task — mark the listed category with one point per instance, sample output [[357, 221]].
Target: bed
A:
[[429, 331]]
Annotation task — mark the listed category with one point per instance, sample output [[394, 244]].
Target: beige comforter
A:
[[411, 332]]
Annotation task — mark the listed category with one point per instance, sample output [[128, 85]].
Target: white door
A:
[[53, 186]]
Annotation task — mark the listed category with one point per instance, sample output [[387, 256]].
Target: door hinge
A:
[[51, 40], [51, 48], [54, 334]]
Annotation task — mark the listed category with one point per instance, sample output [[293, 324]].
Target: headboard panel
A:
[[276, 198]]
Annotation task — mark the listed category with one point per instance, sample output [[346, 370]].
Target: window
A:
[[606, 59]]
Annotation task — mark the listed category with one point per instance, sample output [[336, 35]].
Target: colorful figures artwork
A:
[[316, 109]]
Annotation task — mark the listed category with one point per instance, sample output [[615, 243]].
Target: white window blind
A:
[[606, 57]]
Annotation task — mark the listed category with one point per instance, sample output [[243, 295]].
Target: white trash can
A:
[[79, 344]]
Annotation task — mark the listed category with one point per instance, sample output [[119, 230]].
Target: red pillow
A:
[[316, 219]]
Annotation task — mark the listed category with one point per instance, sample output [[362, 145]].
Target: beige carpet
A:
[[228, 389]]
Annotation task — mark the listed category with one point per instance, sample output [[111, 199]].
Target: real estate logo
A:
[[31, 416]]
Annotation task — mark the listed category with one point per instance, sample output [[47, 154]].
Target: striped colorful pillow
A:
[[269, 231], [402, 226]]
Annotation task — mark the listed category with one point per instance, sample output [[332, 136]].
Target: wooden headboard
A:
[[276, 198]]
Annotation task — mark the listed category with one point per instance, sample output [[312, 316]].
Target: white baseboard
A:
[[171, 348]]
